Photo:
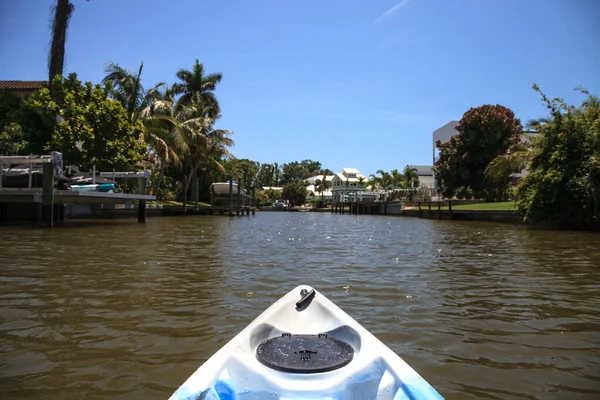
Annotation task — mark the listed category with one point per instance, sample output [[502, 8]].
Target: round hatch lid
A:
[[304, 353]]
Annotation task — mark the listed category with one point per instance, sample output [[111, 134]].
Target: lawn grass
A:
[[504, 205]]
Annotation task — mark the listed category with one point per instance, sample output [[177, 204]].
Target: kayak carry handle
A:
[[306, 297]]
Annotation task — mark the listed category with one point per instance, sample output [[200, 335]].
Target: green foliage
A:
[[195, 87], [262, 199], [563, 184], [464, 192], [272, 194], [483, 133], [410, 177], [241, 169], [36, 131], [295, 193], [268, 175], [12, 140], [299, 171], [98, 124]]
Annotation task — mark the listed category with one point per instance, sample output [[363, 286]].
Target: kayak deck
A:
[[373, 371]]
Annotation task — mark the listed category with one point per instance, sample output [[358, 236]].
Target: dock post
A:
[[231, 196], [253, 198], [3, 212], [185, 190], [439, 210], [429, 205], [239, 199], [420, 211], [48, 195], [30, 175], [450, 209], [142, 211], [196, 188]]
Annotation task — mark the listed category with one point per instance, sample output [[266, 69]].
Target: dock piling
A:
[[142, 211], [47, 195], [239, 199], [231, 196], [253, 198]]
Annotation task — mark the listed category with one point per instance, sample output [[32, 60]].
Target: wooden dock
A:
[[51, 202]]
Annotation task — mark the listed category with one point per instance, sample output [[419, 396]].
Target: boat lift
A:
[[53, 165]]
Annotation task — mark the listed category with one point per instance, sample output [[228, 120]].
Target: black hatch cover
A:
[[304, 353]]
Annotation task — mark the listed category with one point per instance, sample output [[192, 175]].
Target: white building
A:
[[443, 134], [425, 173], [347, 182]]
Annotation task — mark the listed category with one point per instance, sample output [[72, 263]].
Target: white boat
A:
[[305, 347], [222, 189]]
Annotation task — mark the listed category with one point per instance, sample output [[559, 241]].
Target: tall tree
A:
[[385, 180], [127, 88], [161, 134], [411, 177], [195, 86], [60, 22], [397, 178], [295, 193], [375, 180], [483, 133], [276, 173], [87, 111], [322, 184]]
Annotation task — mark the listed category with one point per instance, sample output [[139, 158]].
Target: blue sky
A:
[[350, 83]]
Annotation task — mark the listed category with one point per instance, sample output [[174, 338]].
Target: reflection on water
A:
[[122, 310]]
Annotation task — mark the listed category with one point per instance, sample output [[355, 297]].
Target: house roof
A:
[[350, 171], [315, 178], [341, 177], [423, 170], [23, 85]]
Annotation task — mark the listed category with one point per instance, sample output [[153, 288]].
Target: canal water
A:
[[120, 310]]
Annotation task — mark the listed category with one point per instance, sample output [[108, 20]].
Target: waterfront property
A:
[[346, 183], [313, 190]]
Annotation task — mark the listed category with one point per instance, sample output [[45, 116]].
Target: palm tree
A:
[[396, 178], [276, 172], [128, 90], [374, 182], [411, 177], [517, 158], [217, 146], [196, 87], [56, 58], [322, 186], [385, 180], [161, 134]]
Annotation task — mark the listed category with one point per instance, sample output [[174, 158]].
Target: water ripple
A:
[[116, 309]]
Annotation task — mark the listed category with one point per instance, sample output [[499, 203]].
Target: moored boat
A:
[[222, 189], [305, 347]]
